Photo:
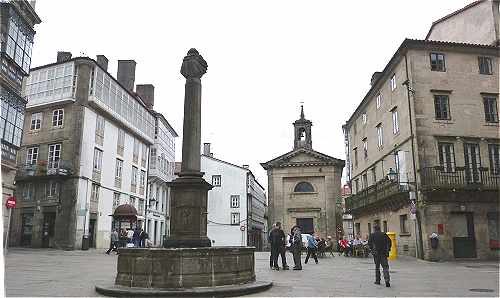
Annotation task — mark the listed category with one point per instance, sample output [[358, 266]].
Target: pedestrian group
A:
[[378, 244], [128, 238]]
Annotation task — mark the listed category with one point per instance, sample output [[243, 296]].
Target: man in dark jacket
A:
[[143, 236], [296, 246], [380, 245], [136, 237], [277, 239]]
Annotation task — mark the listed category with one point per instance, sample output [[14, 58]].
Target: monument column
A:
[[188, 219]]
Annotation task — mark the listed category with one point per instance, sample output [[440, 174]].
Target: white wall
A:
[[107, 182], [233, 178], [164, 145]]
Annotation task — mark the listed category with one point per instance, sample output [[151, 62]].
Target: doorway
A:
[[464, 241], [49, 220], [155, 236], [306, 225], [92, 230], [26, 229]]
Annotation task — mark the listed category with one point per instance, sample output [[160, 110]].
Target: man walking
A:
[[380, 245], [113, 245], [296, 240], [136, 237], [277, 239], [312, 247], [143, 237], [271, 263]]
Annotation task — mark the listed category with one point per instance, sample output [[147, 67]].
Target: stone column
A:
[[193, 68], [188, 205]]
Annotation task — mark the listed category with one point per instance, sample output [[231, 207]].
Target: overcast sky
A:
[[264, 58]]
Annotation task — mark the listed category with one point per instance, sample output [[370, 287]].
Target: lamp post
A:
[[148, 205], [392, 175]]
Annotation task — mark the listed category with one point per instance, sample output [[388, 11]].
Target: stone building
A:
[[17, 20], [236, 203], [477, 23], [423, 150], [347, 223], [304, 185], [161, 171], [85, 151]]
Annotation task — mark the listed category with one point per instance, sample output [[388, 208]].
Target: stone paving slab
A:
[[52, 273]]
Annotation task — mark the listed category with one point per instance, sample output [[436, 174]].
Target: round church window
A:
[[303, 187]]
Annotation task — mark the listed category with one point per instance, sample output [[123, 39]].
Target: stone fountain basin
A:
[[174, 272], [185, 267]]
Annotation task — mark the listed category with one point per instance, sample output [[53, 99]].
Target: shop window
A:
[[494, 230]]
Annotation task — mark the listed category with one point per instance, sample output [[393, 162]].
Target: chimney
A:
[[102, 61], [147, 94], [375, 77], [63, 56], [206, 149], [126, 73]]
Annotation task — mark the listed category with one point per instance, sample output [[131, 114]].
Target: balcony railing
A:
[[460, 178], [43, 168], [375, 193]]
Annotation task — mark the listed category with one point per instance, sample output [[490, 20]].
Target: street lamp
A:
[[392, 175]]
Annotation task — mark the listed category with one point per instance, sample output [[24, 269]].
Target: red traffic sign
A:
[[242, 228], [11, 202]]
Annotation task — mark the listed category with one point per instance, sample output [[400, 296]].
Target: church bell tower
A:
[[302, 129]]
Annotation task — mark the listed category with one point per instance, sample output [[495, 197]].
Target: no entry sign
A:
[[11, 202]]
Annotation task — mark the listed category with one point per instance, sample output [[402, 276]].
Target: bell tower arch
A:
[[302, 129]]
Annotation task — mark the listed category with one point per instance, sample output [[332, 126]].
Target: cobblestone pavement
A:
[[37, 272]]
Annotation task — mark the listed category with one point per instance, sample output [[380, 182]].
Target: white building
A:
[[86, 151], [161, 171], [236, 203]]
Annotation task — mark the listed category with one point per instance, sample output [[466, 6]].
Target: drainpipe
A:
[[418, 232]]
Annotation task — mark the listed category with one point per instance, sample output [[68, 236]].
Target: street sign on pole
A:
[[11, 202]]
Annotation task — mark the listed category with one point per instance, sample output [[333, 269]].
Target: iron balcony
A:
[[384, 191], [459, 178], [45, 169]]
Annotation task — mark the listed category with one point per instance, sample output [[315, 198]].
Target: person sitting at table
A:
[[328, 242], [357, 246], [321, 243], [356, 241], [345, 246]]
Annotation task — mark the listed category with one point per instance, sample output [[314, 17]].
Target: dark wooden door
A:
[[49, 220], [92, 230], [306, 225], [464, 241], [26, 229]]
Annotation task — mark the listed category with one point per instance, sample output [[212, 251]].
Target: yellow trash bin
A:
[[394, 251]]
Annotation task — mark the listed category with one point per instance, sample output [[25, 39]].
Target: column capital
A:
[[193, 65]]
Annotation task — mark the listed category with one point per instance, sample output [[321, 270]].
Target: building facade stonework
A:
[[17, 22], [423, 150], [85, 152], [304, 185]]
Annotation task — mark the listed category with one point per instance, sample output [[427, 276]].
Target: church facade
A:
[[303, 185]]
